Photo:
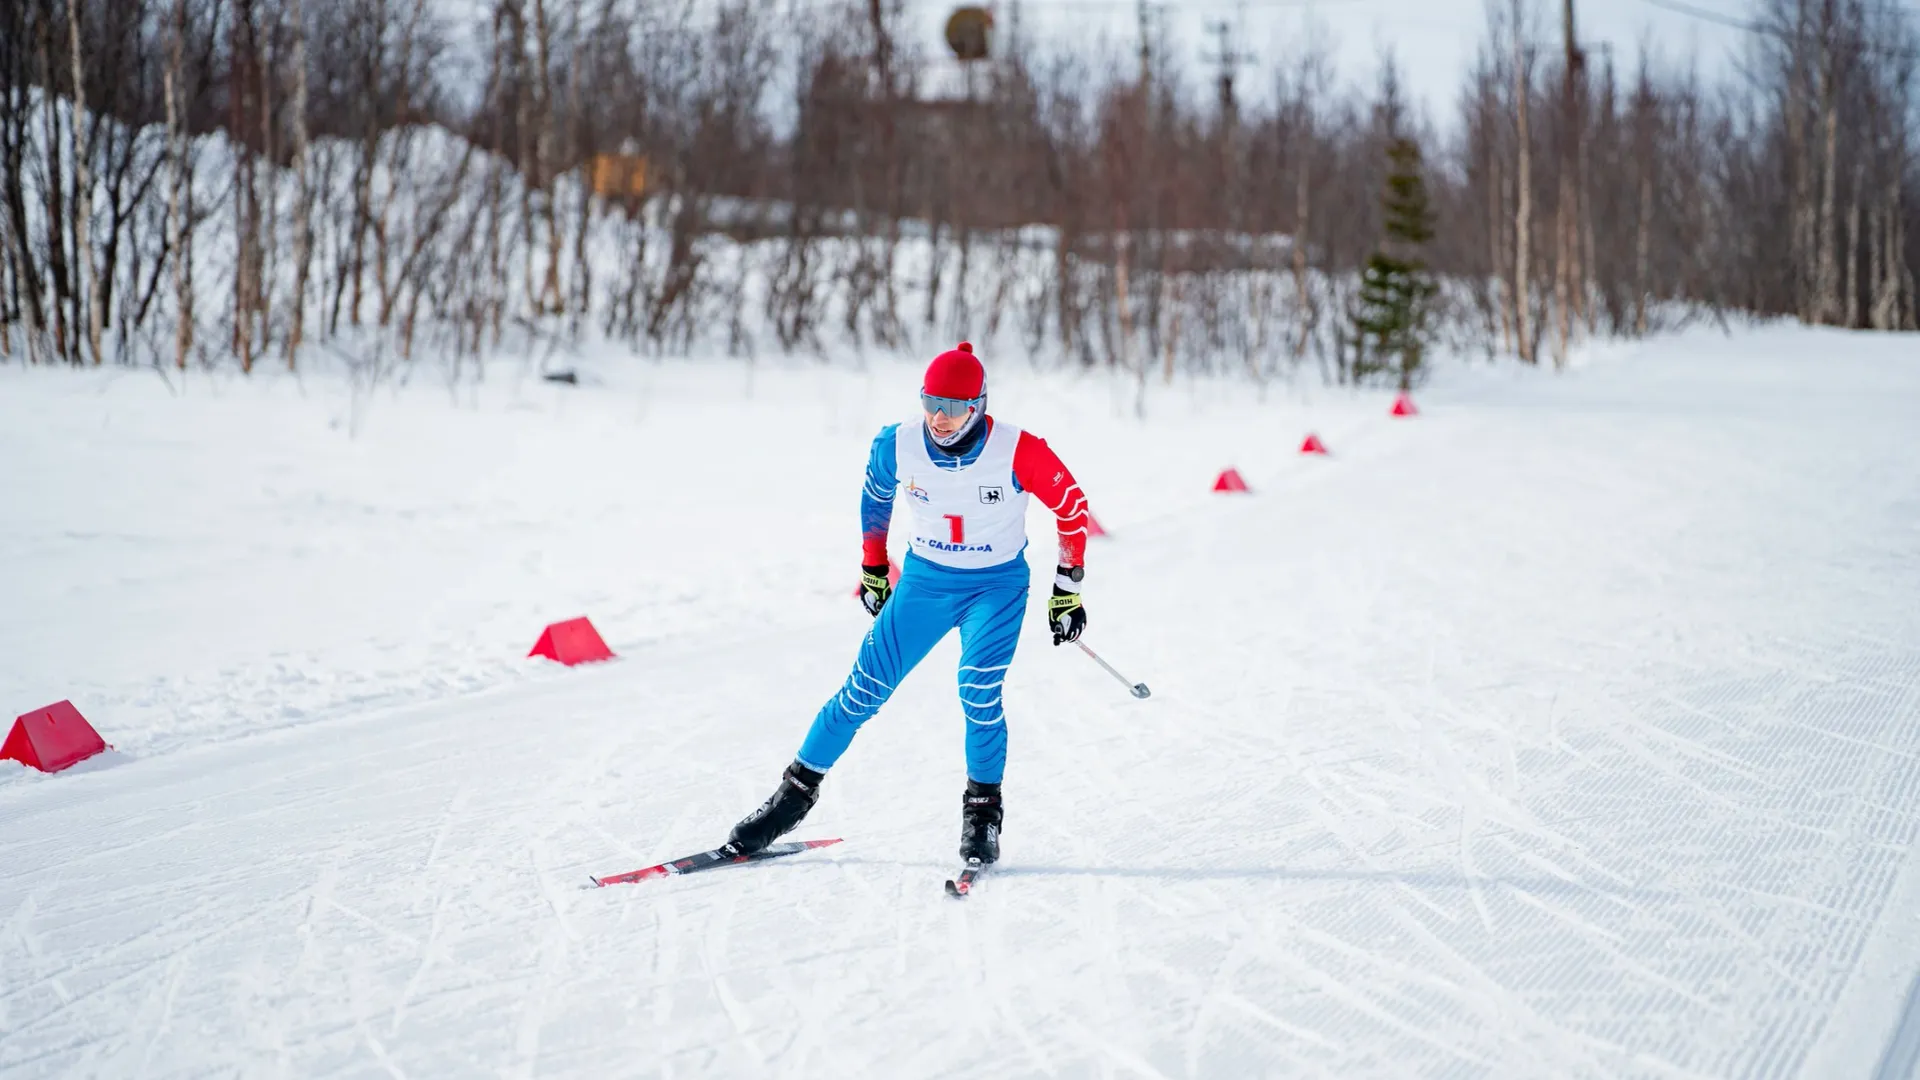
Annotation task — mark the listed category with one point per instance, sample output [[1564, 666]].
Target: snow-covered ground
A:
[[1569, 729]]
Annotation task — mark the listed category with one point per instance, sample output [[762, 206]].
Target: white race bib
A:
[[967, 518]]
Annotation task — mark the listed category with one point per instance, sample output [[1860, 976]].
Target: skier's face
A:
[[943, 425]]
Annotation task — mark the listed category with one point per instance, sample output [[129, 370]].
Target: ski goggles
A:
[[949, 406]]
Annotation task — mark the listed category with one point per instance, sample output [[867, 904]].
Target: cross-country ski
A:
[[709, 860]]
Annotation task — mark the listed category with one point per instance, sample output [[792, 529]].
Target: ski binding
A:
[[961, 884]]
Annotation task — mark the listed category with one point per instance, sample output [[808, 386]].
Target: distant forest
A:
[[238, 182]]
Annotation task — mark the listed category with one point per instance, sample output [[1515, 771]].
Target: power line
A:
[[1679, 7], [1737, 23]]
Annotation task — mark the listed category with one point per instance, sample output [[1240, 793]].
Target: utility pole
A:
[[1229, 61], [1144, 11]]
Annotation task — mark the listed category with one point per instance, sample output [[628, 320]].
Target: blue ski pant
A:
[[986, 606]]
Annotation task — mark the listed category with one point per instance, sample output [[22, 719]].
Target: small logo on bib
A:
[[917, 491], [993, 496], [957, 549]]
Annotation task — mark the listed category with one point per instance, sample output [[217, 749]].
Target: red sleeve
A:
[[1039, 471]]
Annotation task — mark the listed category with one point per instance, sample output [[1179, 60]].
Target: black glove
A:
[[875, 588], [1064, 611]]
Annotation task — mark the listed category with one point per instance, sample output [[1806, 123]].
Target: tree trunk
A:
[[1801, 213], [1303, 222], [303, 181], [1173, 332], [246, 275], [1898, 258], [1583, 292], [1523, 214], [1884, 286], [373, 29], [580, 152], [527, 160], [1497, 234], [1851, 252], [25, 287], [57, 270], [1828, 278], [1643, 246], [1069, 304], [265, 67], [83, 189], [542, 153], [1566, 228], [496, 299], [180, 195]]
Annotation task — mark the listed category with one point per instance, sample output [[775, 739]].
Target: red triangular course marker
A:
[[52, 738], [1403, 406], [1230, 481], [893, 577], [1313, 445], [574, 641], [1093, 526]]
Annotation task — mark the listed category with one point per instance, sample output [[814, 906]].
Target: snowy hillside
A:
[[1565, 730]]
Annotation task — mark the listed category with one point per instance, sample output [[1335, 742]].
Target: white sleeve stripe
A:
[[1065, 495]]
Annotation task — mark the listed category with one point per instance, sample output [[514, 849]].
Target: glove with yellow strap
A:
[[1065, 613], [875, 588]]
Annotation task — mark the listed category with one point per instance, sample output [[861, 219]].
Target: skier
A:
[[967, 479]]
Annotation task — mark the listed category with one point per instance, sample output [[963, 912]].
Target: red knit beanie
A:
[[956, 373]]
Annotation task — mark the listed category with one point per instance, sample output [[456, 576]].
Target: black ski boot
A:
[[980, 817], [799, 789]]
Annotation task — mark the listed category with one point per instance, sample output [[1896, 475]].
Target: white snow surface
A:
[[1570, 729]]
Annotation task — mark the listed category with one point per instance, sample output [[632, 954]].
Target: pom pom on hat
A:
[[956, 373]]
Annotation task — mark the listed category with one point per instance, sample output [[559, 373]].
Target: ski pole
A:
[[1139, 688]]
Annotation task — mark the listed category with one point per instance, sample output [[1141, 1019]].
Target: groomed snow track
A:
[[1571, 729]]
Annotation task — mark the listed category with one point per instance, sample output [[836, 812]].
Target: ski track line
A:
[[1901, 1060], [1003, 992], [105, 956], [537, 1000], [141, 970], [429, 948], [1257, 946], [427, 954], [161, 1026], [1199, 1019], [379, 1051]]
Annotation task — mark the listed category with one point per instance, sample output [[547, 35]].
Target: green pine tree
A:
[[1396, 290]]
